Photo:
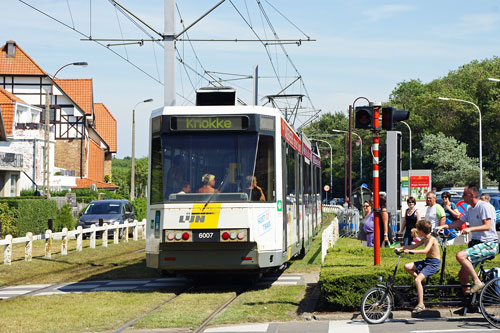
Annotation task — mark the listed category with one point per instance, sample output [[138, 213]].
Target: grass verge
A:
[[95, 311], [186, 311], [123, 261], [278, 303]]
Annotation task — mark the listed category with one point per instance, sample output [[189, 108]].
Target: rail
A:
[[76, 234]]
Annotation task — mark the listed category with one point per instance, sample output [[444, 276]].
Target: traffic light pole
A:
[[376, 204]]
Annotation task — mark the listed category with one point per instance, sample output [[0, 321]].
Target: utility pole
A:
[[256, 85], [169, 39], [46, 148]]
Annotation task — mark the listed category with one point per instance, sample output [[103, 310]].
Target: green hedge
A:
[[348, 272], [33, 214]]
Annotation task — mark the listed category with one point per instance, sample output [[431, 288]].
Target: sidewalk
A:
[[429, 313]]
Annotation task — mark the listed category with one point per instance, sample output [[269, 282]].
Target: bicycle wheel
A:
[[489, 302], [376, 305]]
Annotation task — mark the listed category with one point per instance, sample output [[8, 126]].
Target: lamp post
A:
[[480, 136], [360, 151], [46, 146], [331, 165], [409, 128], [132, 171]]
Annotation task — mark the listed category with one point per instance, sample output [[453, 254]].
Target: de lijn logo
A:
[[193, 217]]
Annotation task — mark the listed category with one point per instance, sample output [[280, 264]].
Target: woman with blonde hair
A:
[[208, 181]]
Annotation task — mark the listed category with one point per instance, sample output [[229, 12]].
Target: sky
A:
[[360, 48]]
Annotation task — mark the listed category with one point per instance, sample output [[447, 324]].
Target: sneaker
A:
[[475, 288]]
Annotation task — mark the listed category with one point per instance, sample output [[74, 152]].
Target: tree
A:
[[448, 160]]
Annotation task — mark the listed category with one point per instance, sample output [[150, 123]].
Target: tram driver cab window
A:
[[264, 175]]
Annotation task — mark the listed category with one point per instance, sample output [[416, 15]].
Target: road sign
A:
[[326, 188]]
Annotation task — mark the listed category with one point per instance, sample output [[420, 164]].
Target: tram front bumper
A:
[[208, 256]]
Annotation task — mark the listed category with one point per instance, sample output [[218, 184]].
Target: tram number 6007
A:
[[206, 236]]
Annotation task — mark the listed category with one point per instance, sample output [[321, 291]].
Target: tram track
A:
[[194, 288]]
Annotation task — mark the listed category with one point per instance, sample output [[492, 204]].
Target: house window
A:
[[13, 185]]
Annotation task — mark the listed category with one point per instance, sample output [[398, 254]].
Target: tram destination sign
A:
[[214, 123]]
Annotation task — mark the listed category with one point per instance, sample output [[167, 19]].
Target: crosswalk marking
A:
[[348, 326], [239, 328]]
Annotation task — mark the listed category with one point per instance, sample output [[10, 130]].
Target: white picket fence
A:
[[76, 234], [329, 237]]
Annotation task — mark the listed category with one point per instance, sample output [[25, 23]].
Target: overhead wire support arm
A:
[[116, 3], [264, 41], [199, 19]]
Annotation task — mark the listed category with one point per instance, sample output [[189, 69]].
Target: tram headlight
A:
[[232, 235], [241, 235], [170, 236], [178, 236]]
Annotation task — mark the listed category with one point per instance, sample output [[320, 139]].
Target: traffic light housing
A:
[[391, 115], [365, 117]]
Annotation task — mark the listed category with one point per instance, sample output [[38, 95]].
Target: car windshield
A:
[[102, 208]]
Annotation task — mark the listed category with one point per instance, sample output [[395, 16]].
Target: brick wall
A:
[[107, 164], [68, 155], [96, 162]]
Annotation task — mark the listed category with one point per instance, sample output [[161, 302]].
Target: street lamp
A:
[[331, 165], [360, 141], [409, 128], [46, 146], [480, 136], [132, 171]]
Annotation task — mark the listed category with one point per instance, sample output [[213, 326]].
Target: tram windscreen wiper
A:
[[216, 191]]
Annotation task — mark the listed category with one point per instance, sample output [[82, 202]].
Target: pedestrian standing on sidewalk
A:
[[409, 220], [452, 214], [481, 216], [435, 212], [385, 228], [368, 223]]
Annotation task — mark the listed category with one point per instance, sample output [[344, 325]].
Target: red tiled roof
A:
[[87, 183], [20, 64], [7, 100], [80, 91], [105, 125]]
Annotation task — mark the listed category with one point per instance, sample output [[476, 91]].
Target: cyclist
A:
[[484, 243], [421, 270]]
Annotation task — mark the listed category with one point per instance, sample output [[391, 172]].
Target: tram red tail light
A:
[[225, 235], [185, 236], [246, 258]]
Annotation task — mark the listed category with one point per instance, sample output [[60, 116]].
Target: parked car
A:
[[495, 201], [110, 211]]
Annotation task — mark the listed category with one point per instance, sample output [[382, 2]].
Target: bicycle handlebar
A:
[[402, 251]]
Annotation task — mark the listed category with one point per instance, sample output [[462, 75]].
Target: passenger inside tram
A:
[[208, 184]]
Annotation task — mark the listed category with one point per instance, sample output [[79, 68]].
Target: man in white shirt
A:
[[435, 212], [481, 217]]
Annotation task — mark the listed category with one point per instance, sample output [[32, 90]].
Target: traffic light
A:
[[392, 115], [365, 117]]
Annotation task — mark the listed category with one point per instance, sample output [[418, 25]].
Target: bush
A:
[[33, 214], [64, 219], [348, 272], [140, 208], [8, 217]]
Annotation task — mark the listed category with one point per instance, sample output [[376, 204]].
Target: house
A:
[[83, 132]]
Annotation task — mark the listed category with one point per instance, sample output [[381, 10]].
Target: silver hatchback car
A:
[[110, 211]]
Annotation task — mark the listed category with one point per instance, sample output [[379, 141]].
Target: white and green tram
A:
[[236, 227]]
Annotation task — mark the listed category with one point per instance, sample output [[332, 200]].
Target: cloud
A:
[[377, 13]]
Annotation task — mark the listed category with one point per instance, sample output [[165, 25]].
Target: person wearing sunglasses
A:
[[409, 221], [452, 214], [368, 223]]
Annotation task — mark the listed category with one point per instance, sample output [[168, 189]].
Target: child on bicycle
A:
[[424, 268]]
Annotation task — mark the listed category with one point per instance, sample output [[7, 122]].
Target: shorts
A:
[[481, 251], [428, 266]]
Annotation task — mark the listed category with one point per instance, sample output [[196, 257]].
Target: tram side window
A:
[[290, 173], [156, 191], [265, 167]]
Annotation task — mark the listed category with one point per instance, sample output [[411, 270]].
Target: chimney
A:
[[11, 49]]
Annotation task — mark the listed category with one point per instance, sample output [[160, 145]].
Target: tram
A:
[[230, 188]]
